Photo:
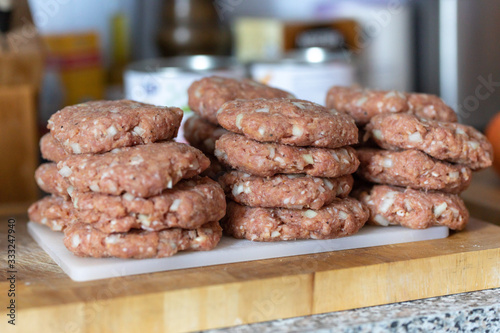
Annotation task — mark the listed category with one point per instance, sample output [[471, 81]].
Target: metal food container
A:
[[307, 73], [165, 81]]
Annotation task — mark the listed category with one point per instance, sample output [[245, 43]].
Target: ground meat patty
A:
[[202, 134], [289, 121], [363, 104], [85, 241], [142, 171], [430, 107], [286, 191], [391, 205], [49, 180], [341, 218], [451, 142], [190, 204], [215, 170], [268, 159], [412, 168], [100, 126], [207, 95], [51, 149], [52, 211]]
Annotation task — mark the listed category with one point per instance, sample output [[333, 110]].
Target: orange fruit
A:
[[493, 134]]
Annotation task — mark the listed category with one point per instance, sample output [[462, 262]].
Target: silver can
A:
[[307, 73], [165, 81]]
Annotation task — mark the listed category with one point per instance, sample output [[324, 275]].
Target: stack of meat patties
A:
[[426, 159], [120, 188], [292, 172], [206, 96]]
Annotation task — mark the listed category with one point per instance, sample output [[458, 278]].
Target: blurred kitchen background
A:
[[60, 52]]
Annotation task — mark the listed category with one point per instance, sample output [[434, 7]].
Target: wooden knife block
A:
[[18, 148]]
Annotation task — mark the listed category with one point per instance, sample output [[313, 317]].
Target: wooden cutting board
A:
[[483, 196], [226, 295]]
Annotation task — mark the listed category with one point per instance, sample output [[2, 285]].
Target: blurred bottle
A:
[[120, 55], [120, 43], [192, 27]]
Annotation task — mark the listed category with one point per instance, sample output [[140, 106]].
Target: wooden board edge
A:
[[280, 297], [200, 308], [388, 283]]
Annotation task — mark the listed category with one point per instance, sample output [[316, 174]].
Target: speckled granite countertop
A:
[[477, 311]]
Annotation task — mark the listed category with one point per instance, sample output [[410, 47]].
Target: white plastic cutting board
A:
[[228, 251]]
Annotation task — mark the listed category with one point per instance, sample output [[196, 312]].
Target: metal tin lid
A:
[[310, 56], [180, 64], [315, 55]]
